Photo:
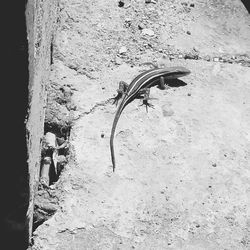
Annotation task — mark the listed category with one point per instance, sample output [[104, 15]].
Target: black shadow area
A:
[[176, 83], [247, 4], [14, 103]]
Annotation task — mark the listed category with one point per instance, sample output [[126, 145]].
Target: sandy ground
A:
[[183, 175]]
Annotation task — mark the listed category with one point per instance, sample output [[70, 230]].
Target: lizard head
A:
[[176, 72]]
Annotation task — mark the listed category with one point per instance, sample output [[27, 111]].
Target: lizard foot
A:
[[147, 104], [123, 86], [117, 98]]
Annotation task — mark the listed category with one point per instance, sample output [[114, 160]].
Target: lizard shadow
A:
[[172, 83], [176, 83]]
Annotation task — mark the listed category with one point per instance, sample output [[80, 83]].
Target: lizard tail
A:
[[112, 148], [112, 139], [119, 110]]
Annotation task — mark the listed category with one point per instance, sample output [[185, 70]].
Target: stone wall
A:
[[41, 23]]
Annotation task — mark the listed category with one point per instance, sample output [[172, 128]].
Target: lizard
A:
[[140, 87]]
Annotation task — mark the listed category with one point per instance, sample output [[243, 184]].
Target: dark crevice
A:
[[51, 51], [40, 216], [55, 151]]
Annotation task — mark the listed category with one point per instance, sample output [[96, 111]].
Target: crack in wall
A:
[[93, 109]]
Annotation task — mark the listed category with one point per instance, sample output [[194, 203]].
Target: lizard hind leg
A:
[[123, 86]]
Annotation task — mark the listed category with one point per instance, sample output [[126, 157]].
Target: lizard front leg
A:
[[162, 84], [145, 102], [123, 86]]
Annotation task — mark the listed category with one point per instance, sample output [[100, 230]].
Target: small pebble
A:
[[122, 50], [141, 26], [192, 5], [214, 165], [128, 19], [150, 1], [128, 22], [121, 3], [148, 32], [102, 135], [188, 32], [171, 57], [189, 94], [216, 59]]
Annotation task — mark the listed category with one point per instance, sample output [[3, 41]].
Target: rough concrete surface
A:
[[182, 179]]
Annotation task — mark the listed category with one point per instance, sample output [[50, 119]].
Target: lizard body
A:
[[141, 85]]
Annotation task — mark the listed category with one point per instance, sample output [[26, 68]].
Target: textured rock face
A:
[[41, 19], [182, 177]]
